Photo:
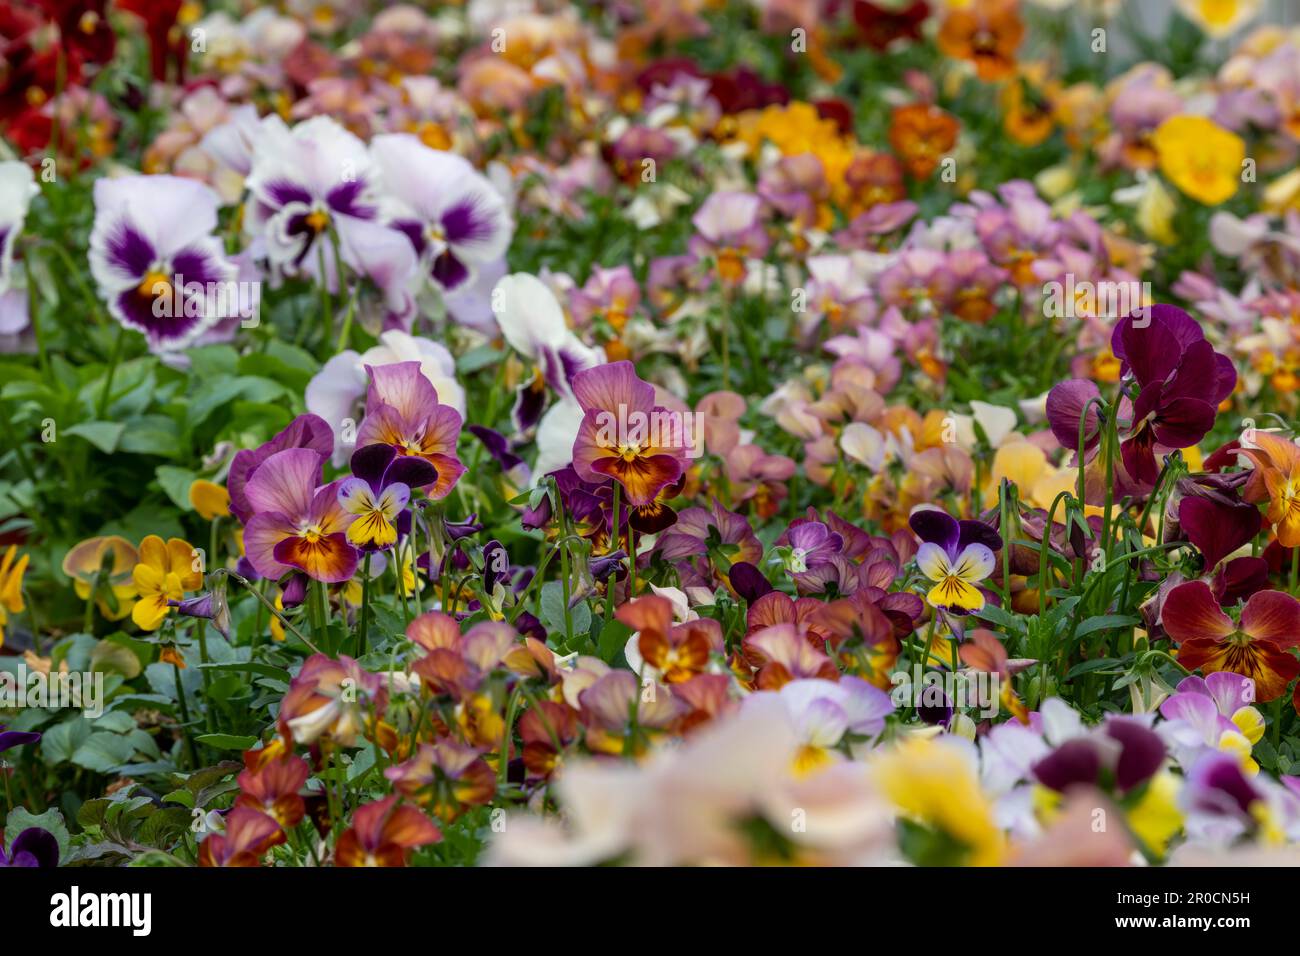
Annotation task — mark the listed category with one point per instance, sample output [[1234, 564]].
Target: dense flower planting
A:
[[681, 432]]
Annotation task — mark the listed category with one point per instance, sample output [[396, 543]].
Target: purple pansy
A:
[[34, 847], [378, 493]]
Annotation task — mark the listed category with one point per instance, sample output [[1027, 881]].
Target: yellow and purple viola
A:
[[378, 493], [956, 556], [402, 411], [297, 523], [624, 435]]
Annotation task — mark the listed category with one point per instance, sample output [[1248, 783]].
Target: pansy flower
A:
[[297, 523], [453, 217], [383, 833], [273, 787], [1258, 646], [677, 651], [447, 777], [155, 258], [249, 835], [533, 324], [1213, 712], [104, 565], [729, 229], [305, 431], [379, 492], [1181, 381], [623, 433], [1276, 479], [402, 411], [165, 572], [305, 182], [330, 698], [33, 847], [985, 32], [12, 569], [956, 556]]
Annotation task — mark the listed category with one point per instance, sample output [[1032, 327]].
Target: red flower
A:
[[165, 41], [1258, 647], [880, 26], [249, 834], [382, 834]]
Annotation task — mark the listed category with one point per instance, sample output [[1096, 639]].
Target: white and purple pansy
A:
[[955, 556], [533, 323], [306, 183], [17, 189], [453, 216], [155, 258]]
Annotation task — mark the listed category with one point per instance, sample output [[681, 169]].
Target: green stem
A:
[[365, 606], [107, 393]]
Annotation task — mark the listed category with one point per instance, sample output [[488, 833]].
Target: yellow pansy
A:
[[1156, 817], [12, 568], [210, 499], [934, 784], [117, 557], [165, 572], [1200, 157], [1219, 18]]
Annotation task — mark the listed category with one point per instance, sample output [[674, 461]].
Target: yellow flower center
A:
[[318, 220], [154, 283]]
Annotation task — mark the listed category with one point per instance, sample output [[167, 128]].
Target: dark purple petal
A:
[[449, 272], [937, 527], [977, 532], [748, 581], [496, 565], [1182, 327], [16, 738], [370, 462], [470, 220], [295, 590], [1138, 454], [496, 445], [1239, 578], [282, 192], [35, 847], [345, 199], [129, 251], [172, 326], [530, 402], [412, 471], [606, 564], [1065, 404], [1152, 352], [1215, 529], [1183, 422], [1141, 754], [1074, 762], [1217, 784]]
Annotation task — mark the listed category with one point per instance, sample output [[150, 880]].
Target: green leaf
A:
[[176, 482], [1104, 622], [103, 752], [226, 741], [1086, 667], [152, 435], [250, 667], [61, 741], [103, 435]]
